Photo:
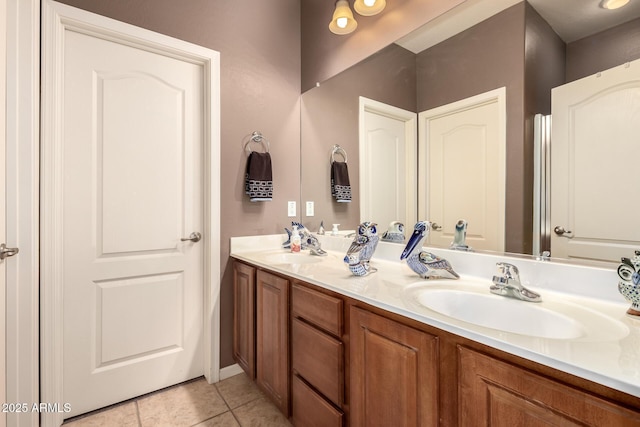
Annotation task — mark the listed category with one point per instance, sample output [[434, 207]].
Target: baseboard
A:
[[230, 371]]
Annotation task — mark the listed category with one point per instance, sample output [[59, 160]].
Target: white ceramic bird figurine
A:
[[629, 284], [395, 232], [362, 248], [460, 236], [426, 264]]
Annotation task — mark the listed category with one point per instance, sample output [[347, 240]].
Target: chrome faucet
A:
[[507, 283]]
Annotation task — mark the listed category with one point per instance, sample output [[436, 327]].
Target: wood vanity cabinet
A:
[[495, 393], [244, 317], [317, 356], [272, 338], [394, 373], [328, 360]]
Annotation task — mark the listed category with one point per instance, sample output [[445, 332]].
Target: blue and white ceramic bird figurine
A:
[[460, 236], [629, 284], [395, 232], [362, 248], [426, 264]]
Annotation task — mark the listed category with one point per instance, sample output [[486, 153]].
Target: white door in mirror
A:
[[462, 170], [387, 155]]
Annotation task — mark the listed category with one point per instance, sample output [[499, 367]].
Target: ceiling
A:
[[571, 19]]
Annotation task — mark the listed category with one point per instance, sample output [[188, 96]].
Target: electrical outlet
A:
[[291, 208], [310, 211]]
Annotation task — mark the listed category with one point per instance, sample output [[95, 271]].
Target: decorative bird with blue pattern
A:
[[395, 232], [426, 264], [362, 248], [629, 283]]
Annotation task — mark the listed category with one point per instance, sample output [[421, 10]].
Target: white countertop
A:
[[608, 353]]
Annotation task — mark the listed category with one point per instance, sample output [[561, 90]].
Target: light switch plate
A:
[[310, 209], [291, 208]]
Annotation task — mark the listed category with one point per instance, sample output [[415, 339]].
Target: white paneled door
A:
[[131, 253], [132, 189], [388, 147], [462, 170], [594, 152]]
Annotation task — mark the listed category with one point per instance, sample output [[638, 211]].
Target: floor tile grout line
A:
[[229, 405], [235, 417], [221, 413], [243, 403], [138, 413]]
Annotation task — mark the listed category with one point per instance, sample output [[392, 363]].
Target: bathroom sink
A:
[[506, 314], [552, 318], [293, 258]]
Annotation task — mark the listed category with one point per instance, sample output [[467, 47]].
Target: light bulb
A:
[[342, 21], [613, 4], [369, 7]]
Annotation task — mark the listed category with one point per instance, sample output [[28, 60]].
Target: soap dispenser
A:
[[296, 242]]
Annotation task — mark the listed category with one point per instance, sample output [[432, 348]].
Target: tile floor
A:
[[236, 402]]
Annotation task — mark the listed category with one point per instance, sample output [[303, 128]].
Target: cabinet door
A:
[[495, 393], [244, 317], [272, 338], [393, 373]]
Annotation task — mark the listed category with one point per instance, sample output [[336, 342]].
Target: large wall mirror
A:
[[520, 49]]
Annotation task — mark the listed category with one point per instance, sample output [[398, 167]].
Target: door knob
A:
[[6, 252], [193, 237], [560, 231], [435, 226]]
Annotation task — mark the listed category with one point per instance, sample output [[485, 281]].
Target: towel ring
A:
[[336, 149], [257, 137]]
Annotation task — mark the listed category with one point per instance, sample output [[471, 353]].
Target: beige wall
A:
[[603, 50], [259, 45]]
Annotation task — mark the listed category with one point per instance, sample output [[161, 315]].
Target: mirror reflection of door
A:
[[594, 151], [462, 170], [387, 164]]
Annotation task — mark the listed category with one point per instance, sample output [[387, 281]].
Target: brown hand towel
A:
[[258, 178], [340, 186]]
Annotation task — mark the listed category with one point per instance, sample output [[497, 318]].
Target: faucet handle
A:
[[508, 271]]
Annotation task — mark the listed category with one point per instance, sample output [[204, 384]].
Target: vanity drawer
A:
[[311, 409], [317, 308], [319, 359]]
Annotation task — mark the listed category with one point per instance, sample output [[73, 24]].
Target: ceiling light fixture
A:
[[613, 4], [343, 21], [369, 7]]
